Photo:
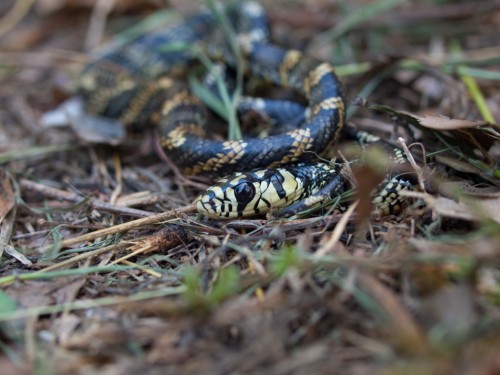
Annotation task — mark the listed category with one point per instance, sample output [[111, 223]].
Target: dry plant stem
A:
[[126, 226], [409, 17], [27, 119], [296, 224], [337, 232], [130, 255], [42, 59], [51, 224], [398, 319], [98, 22], [118, 177], [179, 176], [30, 338], [401, 141], [9, 249], [142, 268], [51, 192], [16, 13], [80, 257], [6, 227]]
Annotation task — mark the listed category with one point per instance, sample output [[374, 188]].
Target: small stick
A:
[[51, 192], [142, 268], [126, 226], [130, 255], [401, 141], [339, 228], [77, 258]]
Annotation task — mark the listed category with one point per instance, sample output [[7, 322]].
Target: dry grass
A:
[[106, 269]]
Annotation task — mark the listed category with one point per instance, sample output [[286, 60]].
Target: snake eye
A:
[[244, 192]]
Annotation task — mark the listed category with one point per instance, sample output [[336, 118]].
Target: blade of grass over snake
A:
[[234, 131]]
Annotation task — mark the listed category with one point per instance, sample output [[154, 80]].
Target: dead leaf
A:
[[91, 129], [65, 327], [466, 209], [13, 367], [454, 188], [446, 123], [44, 293], [367, 180], [450, 308], [140, 198], [9, 249], [7, 196], [485, 248], [458, 165], [487, 207]]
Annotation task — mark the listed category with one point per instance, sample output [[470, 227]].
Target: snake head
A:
[[249, 194]]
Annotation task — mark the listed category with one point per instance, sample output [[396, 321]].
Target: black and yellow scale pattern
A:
[[134, 83], [292, 188]]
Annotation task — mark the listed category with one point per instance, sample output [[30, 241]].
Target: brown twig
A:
[[335, 236], [77, 258], [19, 9], [154, 219], [51, 192], [178, 175], [98, 22]]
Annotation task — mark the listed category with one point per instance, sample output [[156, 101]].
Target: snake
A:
[[139, 82]]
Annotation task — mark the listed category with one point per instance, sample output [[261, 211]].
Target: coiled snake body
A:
[[132, 82]]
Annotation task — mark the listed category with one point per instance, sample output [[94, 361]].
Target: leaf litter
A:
[[107, 269]]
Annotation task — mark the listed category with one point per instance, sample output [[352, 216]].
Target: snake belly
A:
[[133, 83]]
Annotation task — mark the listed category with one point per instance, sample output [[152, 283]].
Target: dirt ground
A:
[[107, 269]]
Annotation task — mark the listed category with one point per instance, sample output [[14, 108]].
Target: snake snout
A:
[[207, 204]]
